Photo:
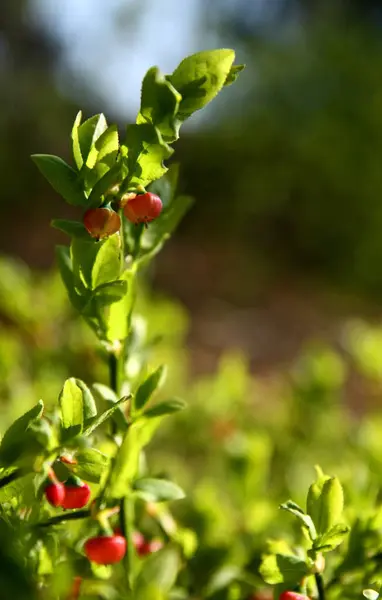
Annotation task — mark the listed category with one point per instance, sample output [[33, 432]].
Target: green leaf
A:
[[297, 511], [149, 386], [72, 228], [61, 177], [65, 266], [108, 293], [107, 395], [90, 464], [126, 463], [146, 151], [158, 490], [200, 77], [76, 149], [96, 263], [107, 146], [71, 405], [102, 158], [118, 321], [331, 539], [325, 502], [332, 503], [167, 407], [107, 265], [234, 74], [88, 402], [159, 104], [283, 568], [16, 437], [313, 500], [89, 132], [101, 418], [160, 570]]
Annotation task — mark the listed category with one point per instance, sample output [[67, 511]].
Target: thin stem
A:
[[12, 476], [127, 526], [113, 372], [320, 586], [79, 514]]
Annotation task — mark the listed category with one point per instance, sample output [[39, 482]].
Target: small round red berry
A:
[[293, 596], [101, 222], [105, 550], [143, 208], [55, 493], [77, 493]]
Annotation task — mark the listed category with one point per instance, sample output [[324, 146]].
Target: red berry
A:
[[105, 550], [55, 494], [101, 222], [143, 208], [76, 496], [292, 596]]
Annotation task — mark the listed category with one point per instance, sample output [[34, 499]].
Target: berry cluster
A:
[[138, 208], [73, 493]]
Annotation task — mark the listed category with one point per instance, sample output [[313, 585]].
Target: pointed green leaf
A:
[[76, 149], [65, 266], [108, 293], [331, 539], [126, 463], [200, 77], [71, 404], [89, 132], [101, 418], [72, 228], [96, 263], [234, 74], [146, 152], [88, 402], [149, 386], [91, 464], [15, 438], [159, 104], [167, 407], [118, 321], [297, 511], [61, 177], [109, 397]]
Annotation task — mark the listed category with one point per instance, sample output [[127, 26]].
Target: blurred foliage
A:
[[244, 445]]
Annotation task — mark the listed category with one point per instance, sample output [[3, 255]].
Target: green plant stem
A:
[[127, 525], [320, 586], [12, 476], [113, 372], [79, 514]]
